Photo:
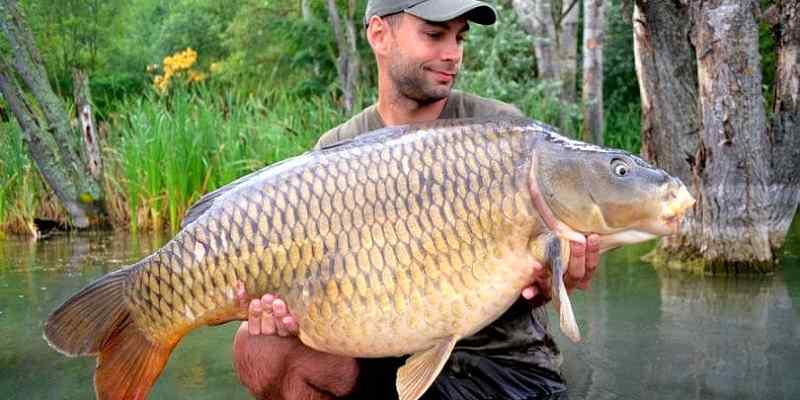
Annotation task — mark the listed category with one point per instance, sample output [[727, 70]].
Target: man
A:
[[418, 49]]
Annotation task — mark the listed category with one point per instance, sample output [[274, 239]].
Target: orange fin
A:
[[129, 364], [97, 321]]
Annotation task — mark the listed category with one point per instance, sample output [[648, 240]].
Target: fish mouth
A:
[[678, 203]]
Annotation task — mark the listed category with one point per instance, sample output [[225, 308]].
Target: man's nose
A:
[[452, 51]]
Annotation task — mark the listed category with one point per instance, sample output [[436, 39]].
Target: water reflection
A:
[[648, 334], [668, 335], [36, 276]]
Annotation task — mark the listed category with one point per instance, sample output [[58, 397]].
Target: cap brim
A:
[[445, 10]]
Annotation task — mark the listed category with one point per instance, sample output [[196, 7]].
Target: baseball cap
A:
[[433, 10]]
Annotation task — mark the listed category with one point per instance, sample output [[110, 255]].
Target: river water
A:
[[648, 334]]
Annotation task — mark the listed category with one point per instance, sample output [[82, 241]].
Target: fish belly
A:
[[395, 319]]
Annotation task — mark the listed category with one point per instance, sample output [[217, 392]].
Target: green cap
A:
[[433, 10]]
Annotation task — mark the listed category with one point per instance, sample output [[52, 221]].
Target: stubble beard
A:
[[411, 82]]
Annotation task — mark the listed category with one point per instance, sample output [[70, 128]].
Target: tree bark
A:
[[554, 26], [50, 139], [348, 61], [732, 161], [568, 50], [594, 27], [535, 16], [83, 105], [712, 131], [785, 126], [665, 68]]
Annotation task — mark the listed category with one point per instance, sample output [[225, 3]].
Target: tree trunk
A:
[[568, 50], [785, 127], [347, 62], [83, 106], [51, 141], [732, 162], [535, 16], [728, 161], [665, 68], [594, 26]]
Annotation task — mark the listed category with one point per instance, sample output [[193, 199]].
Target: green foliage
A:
[[168, 151], [499, 63], [199, 24], [621, 102], [300, 61], [19, 182]]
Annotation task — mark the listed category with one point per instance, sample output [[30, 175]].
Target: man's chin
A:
[[436, 93]]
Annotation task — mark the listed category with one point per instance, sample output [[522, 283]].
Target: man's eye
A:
[[434, 35]]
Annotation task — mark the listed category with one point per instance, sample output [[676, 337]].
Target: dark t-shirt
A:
[[513, 358]]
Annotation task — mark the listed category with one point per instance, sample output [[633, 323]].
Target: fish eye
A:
[[620, 167]]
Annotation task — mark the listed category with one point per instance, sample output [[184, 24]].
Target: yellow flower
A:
[[176, 64]]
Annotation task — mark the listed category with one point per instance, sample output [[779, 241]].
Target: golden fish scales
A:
[[400, 241], [357, 243]]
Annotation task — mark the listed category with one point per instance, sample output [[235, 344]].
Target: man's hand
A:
[[582, 264], [272, 363], [267, 315]]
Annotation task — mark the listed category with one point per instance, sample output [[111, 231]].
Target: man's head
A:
[[433, 10], [418, 44]]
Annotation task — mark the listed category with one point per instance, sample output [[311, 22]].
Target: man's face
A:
[[426, 57]]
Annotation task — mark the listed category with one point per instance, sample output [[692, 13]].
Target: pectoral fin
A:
[[420, 370], [557, 254]]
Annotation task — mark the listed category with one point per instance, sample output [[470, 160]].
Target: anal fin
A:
[[421, 369]]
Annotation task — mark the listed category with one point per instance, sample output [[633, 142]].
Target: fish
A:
[[447, 216]]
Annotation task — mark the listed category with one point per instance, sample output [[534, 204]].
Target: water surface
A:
[[647, 333]]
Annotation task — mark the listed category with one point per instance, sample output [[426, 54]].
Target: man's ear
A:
[[379, 35]]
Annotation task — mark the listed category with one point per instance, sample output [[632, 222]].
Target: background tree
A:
[[784, 134], [52, 143], [553, 25], [348, 62], [726, 153], [594, 27]]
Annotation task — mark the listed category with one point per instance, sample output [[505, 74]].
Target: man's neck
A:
[[395, 109]]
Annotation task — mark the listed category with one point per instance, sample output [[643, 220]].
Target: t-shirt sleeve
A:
[[355, 126]]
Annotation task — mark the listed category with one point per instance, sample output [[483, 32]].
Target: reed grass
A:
[[169, 151], [163, 153]]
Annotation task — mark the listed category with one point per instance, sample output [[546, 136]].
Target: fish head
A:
[[592, 189]]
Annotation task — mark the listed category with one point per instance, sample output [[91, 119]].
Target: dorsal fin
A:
[[205, 202]]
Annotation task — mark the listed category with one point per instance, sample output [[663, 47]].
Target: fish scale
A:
[[428, 244], [401, 241]]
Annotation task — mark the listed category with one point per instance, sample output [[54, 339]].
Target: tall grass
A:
[[22, 192], [169, 151]]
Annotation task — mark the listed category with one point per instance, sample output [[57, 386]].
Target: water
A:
[[647, 333]]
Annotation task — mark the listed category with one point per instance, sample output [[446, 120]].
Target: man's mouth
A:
[[443, 76]]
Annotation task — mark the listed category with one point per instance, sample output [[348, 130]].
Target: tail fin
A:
[[96, 321]]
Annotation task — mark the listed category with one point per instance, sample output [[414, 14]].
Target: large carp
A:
[[447, 217]]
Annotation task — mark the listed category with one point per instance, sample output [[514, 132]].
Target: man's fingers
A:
[[291, 325], [267, 316], [529, 292], [254, 318], [577, 260], [592, 252], [279, 311]]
